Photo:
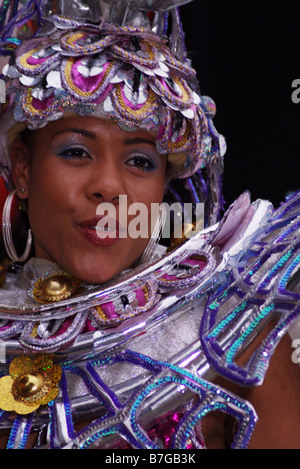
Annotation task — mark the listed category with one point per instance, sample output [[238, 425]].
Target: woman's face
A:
[[74, 165]]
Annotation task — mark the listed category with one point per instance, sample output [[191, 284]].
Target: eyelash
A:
[[77, 152], [66, 153], [144, 159]]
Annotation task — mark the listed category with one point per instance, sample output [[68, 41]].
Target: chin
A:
[[95, 274], [96, 270], [97, 279]]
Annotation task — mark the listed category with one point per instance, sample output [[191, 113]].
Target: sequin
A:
[[31, 383]]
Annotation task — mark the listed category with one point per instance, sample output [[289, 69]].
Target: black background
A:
[[247, 55]]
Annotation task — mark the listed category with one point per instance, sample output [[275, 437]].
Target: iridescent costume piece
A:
[[132, 364]]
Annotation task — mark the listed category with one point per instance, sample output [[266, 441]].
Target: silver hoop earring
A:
[[7, 232], [155, 235]]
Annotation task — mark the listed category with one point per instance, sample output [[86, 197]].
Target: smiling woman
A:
[[111, 338]]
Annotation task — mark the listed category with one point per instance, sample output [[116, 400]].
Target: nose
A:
[[106, 182]]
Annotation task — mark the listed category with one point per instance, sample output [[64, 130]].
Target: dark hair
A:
[[19, 233], [27, 137], [20, 229]]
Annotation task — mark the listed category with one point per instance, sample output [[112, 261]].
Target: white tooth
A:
[[104, 229]]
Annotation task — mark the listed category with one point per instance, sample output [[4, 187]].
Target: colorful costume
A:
[[132, 364]]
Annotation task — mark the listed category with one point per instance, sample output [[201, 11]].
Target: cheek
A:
[[155, 193], [49, 194], [49, 180], [150, 189], [145, 211]]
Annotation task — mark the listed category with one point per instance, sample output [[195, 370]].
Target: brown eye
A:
[[141, 161], [74, 152]]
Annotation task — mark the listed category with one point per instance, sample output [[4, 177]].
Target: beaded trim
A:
[[124, 73], [108, 315]]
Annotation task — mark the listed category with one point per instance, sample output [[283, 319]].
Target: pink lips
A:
[[99, 237]]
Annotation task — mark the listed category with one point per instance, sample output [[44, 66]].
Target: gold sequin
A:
[[31, 382], [56, 287], [7, 401]]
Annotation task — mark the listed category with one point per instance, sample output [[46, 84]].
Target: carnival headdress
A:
[[105, 58]]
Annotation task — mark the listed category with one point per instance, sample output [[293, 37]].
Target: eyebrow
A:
[[92, 136], [137, 140], [83, 132]]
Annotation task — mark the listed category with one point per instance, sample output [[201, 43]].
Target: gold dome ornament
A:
[[31, 382], [55, 287]]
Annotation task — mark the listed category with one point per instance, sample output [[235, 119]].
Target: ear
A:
[[20, 170]]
